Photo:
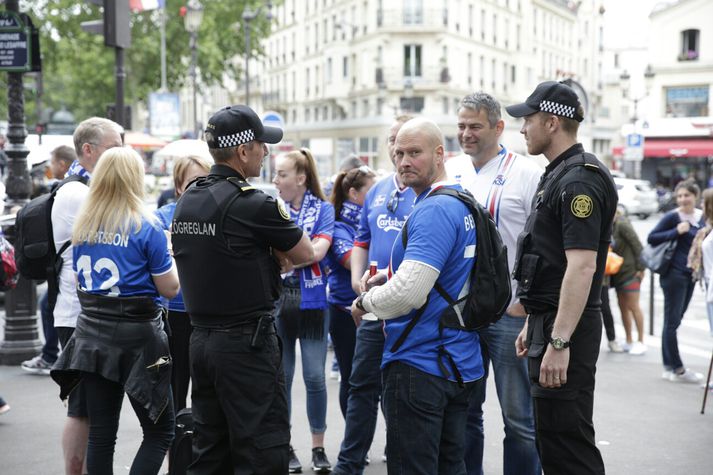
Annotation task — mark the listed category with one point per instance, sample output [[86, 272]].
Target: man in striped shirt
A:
[[504, 183]]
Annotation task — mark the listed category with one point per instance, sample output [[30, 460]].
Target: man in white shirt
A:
[[504, 183], [91, 138]]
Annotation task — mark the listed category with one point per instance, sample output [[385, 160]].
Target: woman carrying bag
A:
[[679, 225]]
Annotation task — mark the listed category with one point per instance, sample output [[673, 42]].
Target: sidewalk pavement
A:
[[644, 425]]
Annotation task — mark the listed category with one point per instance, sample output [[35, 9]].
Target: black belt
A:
[[247, 327]]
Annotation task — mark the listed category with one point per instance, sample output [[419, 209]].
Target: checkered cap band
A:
[[557, 109], [234, 140]]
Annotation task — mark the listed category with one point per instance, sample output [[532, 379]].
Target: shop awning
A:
[[673, 148]]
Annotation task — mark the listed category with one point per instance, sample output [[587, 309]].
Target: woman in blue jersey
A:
[[348, 198], [185, 170], [123, 268], [301, 310]]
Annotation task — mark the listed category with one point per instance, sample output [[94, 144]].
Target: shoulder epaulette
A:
[[241, 184]]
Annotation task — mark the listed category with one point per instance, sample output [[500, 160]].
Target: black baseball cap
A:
[[552, 97], [235, 125]]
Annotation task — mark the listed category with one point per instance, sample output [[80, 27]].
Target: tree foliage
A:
[[79, 71]]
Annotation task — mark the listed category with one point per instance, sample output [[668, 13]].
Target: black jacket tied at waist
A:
[[123, 340]]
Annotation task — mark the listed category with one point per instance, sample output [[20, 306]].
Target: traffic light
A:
[[115, 26]]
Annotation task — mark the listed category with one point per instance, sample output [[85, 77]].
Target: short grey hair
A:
[[92, 131], [482, 101]]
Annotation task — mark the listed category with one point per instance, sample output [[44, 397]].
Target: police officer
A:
[[229, 242], [559, 267]]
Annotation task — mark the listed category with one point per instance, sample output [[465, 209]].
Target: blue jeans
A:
[[364, 394], [677, 289], [314, 357], [50, 350], [513, 387], [425, 420], [104, 400], [343, 331]]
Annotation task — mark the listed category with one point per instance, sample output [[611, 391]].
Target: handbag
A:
[[658, 257], [614, 262]]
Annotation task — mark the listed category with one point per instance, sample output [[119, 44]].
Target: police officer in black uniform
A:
[[229, 242], [560, 263]]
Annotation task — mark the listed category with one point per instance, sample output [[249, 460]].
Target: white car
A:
[[636, 197]]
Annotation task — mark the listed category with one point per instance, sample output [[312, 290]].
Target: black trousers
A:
[[563, 416], [239, 403], [178, 342]]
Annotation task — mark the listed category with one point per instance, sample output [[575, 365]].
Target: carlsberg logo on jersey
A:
[[389, 223]]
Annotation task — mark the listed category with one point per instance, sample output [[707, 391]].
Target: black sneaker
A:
[[320, 463], [295, 466]]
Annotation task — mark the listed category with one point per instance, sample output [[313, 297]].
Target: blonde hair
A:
[[182, 164], [115, 205], [304, 163]]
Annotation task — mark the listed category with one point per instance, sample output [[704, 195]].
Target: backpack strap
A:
[[437, 286]]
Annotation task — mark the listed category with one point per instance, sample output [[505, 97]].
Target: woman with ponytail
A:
[[301, 311], [348, 198]]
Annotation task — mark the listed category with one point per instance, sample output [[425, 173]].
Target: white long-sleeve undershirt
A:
[[407, 290]]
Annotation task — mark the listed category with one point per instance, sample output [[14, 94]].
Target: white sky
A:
[[626, 22]]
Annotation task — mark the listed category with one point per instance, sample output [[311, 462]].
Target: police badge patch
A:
[[582, 206], [283, 211]]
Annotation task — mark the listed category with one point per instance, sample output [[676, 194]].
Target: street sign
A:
[[15, 44], [164, 115], [634, 147], [273, 119]]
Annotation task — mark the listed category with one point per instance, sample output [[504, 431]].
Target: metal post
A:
[[247, 61], [651, 303], [194, 62], [120, 76], [21, 335], [164, 87]]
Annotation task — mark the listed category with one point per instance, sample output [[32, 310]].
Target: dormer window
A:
[[690, 39]]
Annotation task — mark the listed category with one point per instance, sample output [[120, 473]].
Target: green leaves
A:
[[79, 72]]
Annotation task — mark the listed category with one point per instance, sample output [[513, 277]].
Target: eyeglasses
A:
[[393, 204]]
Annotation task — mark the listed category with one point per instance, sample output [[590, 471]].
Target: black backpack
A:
[[490, 287], [180, 455], [35, 253]]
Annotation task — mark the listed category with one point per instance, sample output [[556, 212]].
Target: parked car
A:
[[637, 197]]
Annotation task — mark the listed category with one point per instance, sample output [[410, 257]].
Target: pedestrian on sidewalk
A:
[[302, 308], [185, 170], [92, 137], [560, 262], [386, 207], [679, 225], [702, 264], [230, 242], [348, 193], [430, 371], [120, 346], [61, 158], [627, 281], [503, 182]]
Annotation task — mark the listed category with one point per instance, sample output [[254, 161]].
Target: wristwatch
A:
[[359, 301], [557, 342]]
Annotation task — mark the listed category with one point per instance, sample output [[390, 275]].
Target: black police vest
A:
[[221, 287], [541, 261]]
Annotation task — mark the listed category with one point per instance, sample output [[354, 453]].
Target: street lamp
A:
[[248, 16], [636, 153], [192, 21], [625, 77], [21, 334]]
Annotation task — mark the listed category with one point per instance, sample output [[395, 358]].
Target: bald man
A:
[[428, 374]]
